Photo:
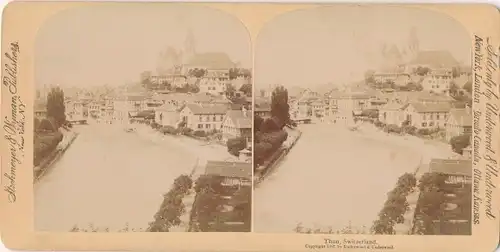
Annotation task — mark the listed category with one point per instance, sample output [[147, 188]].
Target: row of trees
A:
[[396, 206], [172, 207], [269, 134], [46, 130]]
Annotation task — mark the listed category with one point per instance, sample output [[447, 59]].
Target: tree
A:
[[246, 89], [458, 143], [468, 87], [279, 104], [230, 90], [235, 145], [422, 71], [455, 72], [453, 88], [369, 78], [412, 86], [55, 106]]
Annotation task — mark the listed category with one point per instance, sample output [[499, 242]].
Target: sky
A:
[[338, 44], [97, 45]]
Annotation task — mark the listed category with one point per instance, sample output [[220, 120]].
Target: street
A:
[[108, 178], [335, 177]]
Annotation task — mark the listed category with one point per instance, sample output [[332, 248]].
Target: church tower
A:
[[189, 46]]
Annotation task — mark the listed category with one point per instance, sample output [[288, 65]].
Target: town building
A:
[[392, 114], [215, 82], [459, 123], [237, 123], [203, 117], [437, 82], [76, 110], [40, 109], [426, 116], [262, 108], [167, 115]]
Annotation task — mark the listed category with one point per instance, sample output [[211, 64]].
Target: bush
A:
[[392, 128], [276, 139], [423, 132], [200, 133], [48, 125], [257, 123], [458, 143], [168, 130], [155, 125], [235, 145], [261, 151], [412, 130], [186, 131], [44, 144]]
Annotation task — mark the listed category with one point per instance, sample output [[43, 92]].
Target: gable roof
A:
[[431, 107], [212, 60], [435, 59], [460, 167], [394, 106], [462, 116], [240, 120], [166, 108], [207, 110], [229, 169]]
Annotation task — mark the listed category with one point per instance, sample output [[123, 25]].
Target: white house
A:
[[167, 115], [392, 113], [203, 117], [427, 116], [437, 82], [237, 123], [459, 123]]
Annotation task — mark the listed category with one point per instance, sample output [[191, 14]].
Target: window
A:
[[214, 118], [431, 116], [207, 126], [208, 118], [431, 124], [200, 118], [424, 124], [200, 126], [424, 116]]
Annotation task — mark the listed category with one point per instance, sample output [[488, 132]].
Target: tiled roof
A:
[[207, 110], [183, 97], [393, 106], [166, 108], [436, 59], [462, 116], [229, 169], [458, 167], [240, 120], [212, 61], [431, 107]]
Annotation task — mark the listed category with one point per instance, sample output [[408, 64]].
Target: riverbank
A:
[[278, 156], [45, 165]]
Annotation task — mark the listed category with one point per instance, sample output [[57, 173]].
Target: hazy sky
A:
[[337, 44], [113, 44]]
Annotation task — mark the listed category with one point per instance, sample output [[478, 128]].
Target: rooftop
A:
[[229, 169], [240, 120], [462, 116], [459, 167], [431, 107], [207, 110]]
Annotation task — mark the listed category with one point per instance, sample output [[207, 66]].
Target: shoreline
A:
[[45, 166]]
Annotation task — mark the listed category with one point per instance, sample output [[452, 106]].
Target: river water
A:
[[108, 178], [334, 178]]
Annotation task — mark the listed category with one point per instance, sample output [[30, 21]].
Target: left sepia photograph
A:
[[143, 120]]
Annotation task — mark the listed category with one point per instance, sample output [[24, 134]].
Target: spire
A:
[[190, 44]]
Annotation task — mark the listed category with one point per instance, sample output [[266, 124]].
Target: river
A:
[[108, 178], [335, 178]]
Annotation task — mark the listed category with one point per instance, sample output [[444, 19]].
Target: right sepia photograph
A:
[[363, 123]]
